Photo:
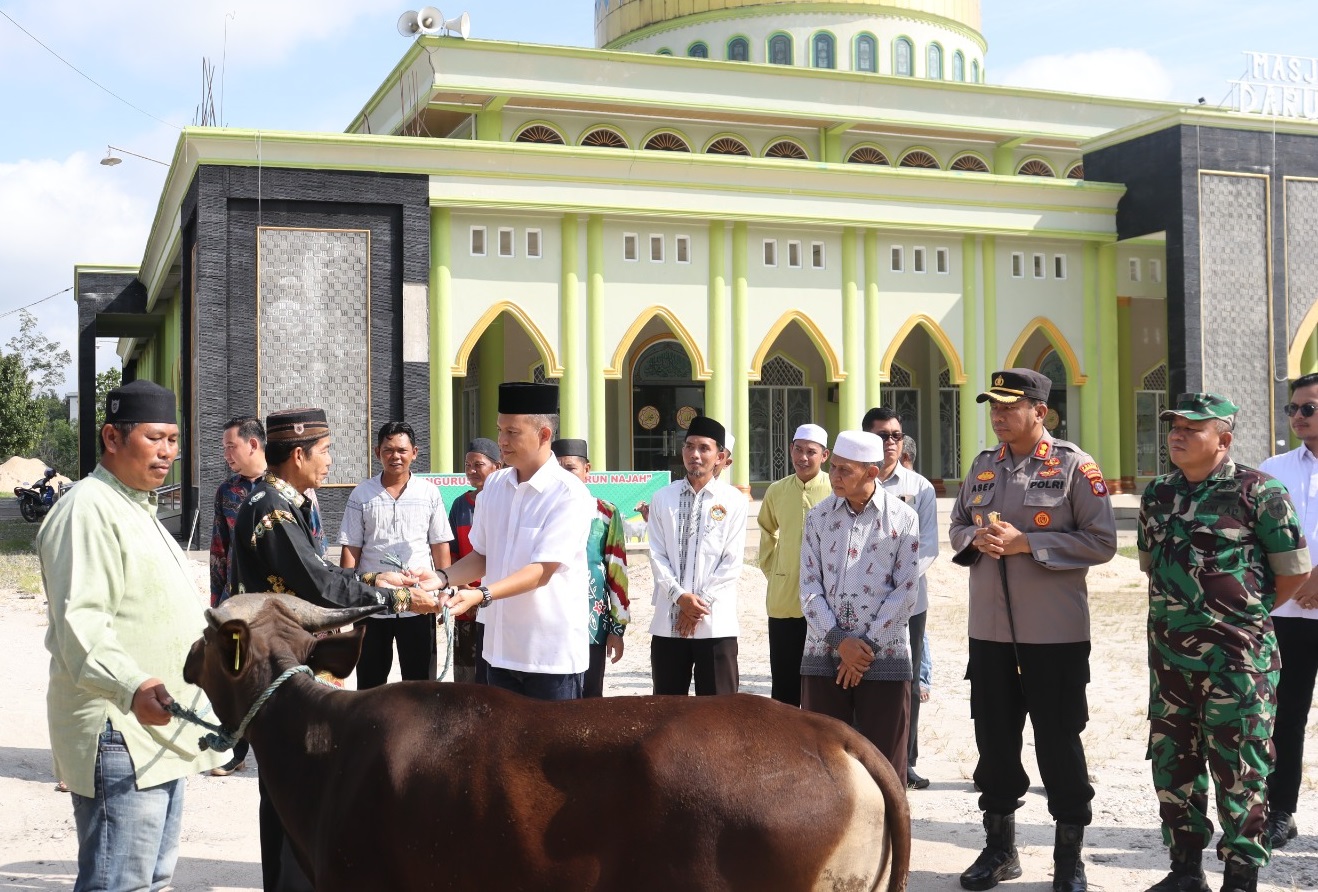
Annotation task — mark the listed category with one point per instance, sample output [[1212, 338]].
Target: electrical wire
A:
[[35, 302]]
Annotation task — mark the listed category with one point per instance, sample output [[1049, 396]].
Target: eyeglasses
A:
[[1306, 410], [898, 437]]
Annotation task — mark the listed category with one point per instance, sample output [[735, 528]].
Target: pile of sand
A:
[[19, 471]]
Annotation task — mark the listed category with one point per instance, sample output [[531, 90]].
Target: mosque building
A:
[[769, 211]]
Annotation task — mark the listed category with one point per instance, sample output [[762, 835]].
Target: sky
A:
[[311, 66]]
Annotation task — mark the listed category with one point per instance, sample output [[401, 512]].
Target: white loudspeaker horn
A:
[[430, 19], [460, 26], [409, 24]]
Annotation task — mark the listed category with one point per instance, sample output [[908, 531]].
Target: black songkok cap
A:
[[524, 398], [576, 448], [1010, 385], [486, 447], [296, 426], [704, 426], [141, 402]]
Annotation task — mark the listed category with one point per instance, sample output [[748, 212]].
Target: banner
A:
[[623, 488]]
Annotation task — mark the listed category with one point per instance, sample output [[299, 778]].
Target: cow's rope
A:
[[448, 634], [221, 740]]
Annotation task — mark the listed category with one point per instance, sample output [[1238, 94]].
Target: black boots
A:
[[999, 860], [1068, 869], [1187, 873], [1281, 829], [1240, 877]]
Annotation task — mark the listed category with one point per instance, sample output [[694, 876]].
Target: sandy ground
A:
[[1124, 849]]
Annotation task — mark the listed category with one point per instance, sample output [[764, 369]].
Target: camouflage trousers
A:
[[1216, 724]]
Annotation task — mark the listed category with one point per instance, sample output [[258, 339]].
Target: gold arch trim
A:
[[1296, 355], [1059, 342], [832, 365], [955, 369], [552, 367], [680, 333]]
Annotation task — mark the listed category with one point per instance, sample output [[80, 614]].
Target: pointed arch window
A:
[[698, 50], [825, 51], [903, 57], [974, 71], [934, 62], [958, 66], [780, 50], [739, 50], [866, 53]]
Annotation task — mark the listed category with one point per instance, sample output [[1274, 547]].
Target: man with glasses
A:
[[1031, 518], [1296, 621], [1223, 546], [917, 492]]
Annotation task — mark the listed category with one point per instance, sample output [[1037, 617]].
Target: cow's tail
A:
[[896, 822]]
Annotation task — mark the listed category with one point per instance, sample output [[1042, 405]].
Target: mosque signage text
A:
[[1278, 86]]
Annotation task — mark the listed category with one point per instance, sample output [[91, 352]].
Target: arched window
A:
[[665, 51], [785, 148], [825, 47], [698, 50], [604, 138], [866, 54], [780, 50], [666, 142], [727, 145], [1077, 172], [1035, 168], [974, 71], [934, 62], [868, 155], [539, 133], [958, 66], [739, 50], [903, 57], [919, 160], [970, 163]]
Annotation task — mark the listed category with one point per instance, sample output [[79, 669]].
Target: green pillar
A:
[[852, 393], [1090, 438], [1110, 365], [990, 262], [571, 423], [873, 336], [491, 360], [442, 417], [1309, 358], [968, 410], [596, 415], [489, 121], [741, 396], [716, 388], [1126, 381]]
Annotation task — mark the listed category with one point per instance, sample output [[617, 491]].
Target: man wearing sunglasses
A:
[[1296, 621]]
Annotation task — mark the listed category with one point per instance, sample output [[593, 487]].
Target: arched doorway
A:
[[780, 402], [508, 348], [1055, 421], [923, 386], [664, 400]]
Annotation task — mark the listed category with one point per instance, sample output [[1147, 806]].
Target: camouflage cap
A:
[[1201, 407]]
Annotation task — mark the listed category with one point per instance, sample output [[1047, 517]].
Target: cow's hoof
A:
[[991, 867]]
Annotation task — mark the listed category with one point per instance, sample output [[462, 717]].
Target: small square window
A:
[[533, 243], [1059, 266], [478, 241], [817, 255], [770, 252], [1155, 271], [506, 242], [917, 260], [684, 249], [1017, 265], [943, 261], [629, 246], [1040, 266], [656, 249], [898, 260], [794, 255], [1134, 269]]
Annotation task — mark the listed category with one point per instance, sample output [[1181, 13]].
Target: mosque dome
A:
[[922, 38]]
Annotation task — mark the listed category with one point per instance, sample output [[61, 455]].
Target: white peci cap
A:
[[859, 446], [812, 432], [728, 441]]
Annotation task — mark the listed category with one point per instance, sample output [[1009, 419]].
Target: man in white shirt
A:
[[1296, 621], [394, 519], [528, 540], [697, 546]]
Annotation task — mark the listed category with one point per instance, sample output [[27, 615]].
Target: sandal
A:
[[61, 787]]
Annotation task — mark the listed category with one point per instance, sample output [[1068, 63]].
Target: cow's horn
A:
[[309, 616]]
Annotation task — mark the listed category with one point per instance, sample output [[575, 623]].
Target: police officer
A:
[[1031, 518], [1223, 546]]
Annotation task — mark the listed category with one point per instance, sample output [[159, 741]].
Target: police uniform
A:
[[1213, 549], [1029, 645]]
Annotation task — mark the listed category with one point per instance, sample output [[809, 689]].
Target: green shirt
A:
[[1213, 550], [782, 524], [123, 608]]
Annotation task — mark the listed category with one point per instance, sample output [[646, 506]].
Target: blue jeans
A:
[[127, 838], [538, 685]]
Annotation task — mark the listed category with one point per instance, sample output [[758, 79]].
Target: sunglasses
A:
[[1306, 410], [897, 438]]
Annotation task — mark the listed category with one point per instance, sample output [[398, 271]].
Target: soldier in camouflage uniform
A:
[[1222, 545]]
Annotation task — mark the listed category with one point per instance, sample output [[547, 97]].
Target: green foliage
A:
[[43, 359], [59, 447], [21, 417], [105, 382]]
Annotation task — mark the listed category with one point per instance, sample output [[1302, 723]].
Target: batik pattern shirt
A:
[[228, 499], [860, 574], [460, 518], [606, 557]]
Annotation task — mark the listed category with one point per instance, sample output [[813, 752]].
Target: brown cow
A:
[[427, 786]]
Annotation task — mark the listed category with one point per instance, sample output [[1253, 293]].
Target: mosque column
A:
[[1126, 381], [851, 394], [596, 360], [716, 388], [491, 365], [1090, 398], [569, 330], [1309, 357], [969, 410], [442, 418], [1109, 369], [741, 395], [873, 333]]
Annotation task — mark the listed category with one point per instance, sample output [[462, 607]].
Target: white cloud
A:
[[1127, 73]]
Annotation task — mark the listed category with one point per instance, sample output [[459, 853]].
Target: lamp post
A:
[[110, 159]]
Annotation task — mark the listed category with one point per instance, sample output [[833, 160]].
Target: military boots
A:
[[1240, 877], [1068, 869], [1187, 873], [999, 861]]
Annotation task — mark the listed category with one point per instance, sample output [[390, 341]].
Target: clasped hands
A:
[[856, 656], [1000, 538], [691, 609], [419, 583]]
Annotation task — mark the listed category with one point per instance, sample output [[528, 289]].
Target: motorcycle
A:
[[38, 498]]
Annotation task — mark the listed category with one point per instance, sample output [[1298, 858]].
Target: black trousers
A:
[[1297, 639], [593, 686], [1050, 688], [915, 631], [280, 871], [468, 639], [786, 648], [416, 638], [713, 661], [877, 709]]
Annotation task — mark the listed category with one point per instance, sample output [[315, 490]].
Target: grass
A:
[[18, 556], [1129, 551]]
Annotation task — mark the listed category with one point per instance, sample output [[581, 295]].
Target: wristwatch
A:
[[486, 598]]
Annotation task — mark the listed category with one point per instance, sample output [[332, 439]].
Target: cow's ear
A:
[[233, 640], [337, 654]]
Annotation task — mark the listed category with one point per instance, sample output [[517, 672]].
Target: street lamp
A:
[[110, 159]]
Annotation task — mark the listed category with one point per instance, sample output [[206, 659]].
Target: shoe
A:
[[61, 787], [999, 861], [1068, 869], [914, 781], [1281, 829], [1240, 877], [1187, 874], [229, 768]]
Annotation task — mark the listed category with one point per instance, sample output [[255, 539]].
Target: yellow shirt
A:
[[123, 608], [782, 523]]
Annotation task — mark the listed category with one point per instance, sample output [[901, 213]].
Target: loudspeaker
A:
[[430, 19], [409, 24], [460, 26]]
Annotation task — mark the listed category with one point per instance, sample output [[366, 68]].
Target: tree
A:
[[21, 417], [105, 382], [59, 441], [43, 359]]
